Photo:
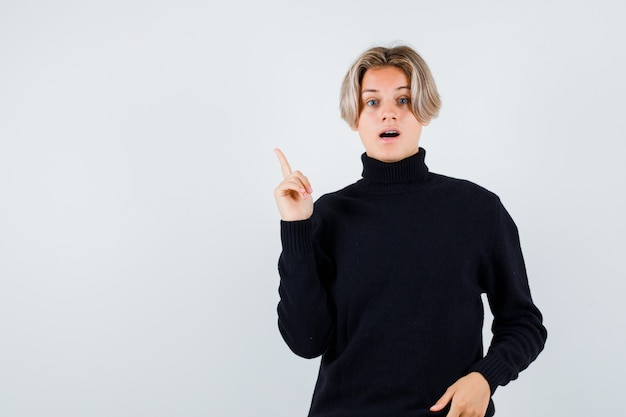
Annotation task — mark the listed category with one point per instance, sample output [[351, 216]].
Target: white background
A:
[[138, 231]]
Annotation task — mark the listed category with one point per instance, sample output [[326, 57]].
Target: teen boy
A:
[[384, 277]]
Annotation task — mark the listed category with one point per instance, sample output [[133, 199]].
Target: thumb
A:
[[443, 401]]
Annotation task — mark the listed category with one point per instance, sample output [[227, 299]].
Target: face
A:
[[388, 129]]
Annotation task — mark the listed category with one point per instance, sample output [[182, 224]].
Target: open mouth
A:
[[390, 134]]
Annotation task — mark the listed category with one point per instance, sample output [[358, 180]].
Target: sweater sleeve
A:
[[518, 331], [305, 313]]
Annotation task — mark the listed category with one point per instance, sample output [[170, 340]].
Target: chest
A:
[[398, 247]]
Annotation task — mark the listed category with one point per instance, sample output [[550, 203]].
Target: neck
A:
[[395, 176]]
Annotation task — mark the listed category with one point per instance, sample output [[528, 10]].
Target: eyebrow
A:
[[376, 91]]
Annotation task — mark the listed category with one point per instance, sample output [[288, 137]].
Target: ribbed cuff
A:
[[296, 235], [494, 371]]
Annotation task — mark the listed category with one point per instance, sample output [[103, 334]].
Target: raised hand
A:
[[293, 193]]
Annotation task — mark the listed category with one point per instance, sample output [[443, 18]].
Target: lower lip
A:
[[389, 139]]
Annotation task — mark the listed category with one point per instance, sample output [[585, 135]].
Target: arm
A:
[[518, 331], [304, 311]]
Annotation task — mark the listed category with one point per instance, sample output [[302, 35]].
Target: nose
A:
[[389, 114]]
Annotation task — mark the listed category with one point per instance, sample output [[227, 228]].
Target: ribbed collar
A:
[[394, 176]]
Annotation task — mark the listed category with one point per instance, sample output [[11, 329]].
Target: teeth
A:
[[389, 133]]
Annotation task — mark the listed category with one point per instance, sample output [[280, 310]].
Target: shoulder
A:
[[462, 188], [463, 199], [332, 201]]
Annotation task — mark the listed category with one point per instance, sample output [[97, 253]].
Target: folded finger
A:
[[291, 184], [303, 179]]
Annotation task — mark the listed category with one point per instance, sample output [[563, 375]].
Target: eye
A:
[[403, 100], [371, 103]]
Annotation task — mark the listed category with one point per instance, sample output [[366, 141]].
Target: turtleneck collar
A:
[[394, 176]]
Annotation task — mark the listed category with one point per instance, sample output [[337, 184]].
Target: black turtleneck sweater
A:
[[385, 282]]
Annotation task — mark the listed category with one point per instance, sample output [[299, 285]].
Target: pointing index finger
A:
[[284, 165]]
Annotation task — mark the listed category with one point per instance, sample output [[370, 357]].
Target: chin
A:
[[392, 156], [387, 158]]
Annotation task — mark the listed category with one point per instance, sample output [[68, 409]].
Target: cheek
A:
[[362, 123], [367, 116]]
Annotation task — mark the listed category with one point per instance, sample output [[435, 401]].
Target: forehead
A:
[[384, 78]]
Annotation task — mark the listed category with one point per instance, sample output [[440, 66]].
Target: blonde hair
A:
[[425, 101]]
